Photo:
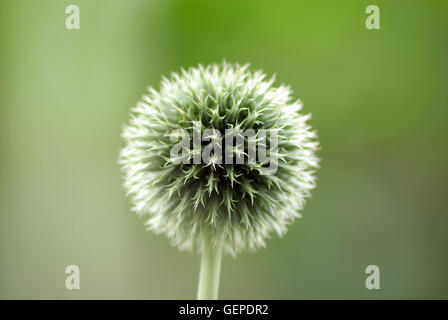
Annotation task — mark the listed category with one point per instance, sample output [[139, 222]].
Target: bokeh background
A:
[[378, 100]]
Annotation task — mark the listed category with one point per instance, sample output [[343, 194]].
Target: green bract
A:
[[233, 206]]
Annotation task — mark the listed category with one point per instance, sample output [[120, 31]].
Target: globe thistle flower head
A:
[[219, 157]]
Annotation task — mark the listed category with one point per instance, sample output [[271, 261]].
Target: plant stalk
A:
[[209, 274]]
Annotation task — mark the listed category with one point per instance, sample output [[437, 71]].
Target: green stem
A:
[[209, 274]]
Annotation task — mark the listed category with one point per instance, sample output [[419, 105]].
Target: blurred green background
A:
[[379, 104]]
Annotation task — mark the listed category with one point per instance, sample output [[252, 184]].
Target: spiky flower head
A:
[[234, 205]]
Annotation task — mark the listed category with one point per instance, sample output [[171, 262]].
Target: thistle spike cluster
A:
[[234, 206]]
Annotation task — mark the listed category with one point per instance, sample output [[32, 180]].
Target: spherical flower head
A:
[[219, 156]]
